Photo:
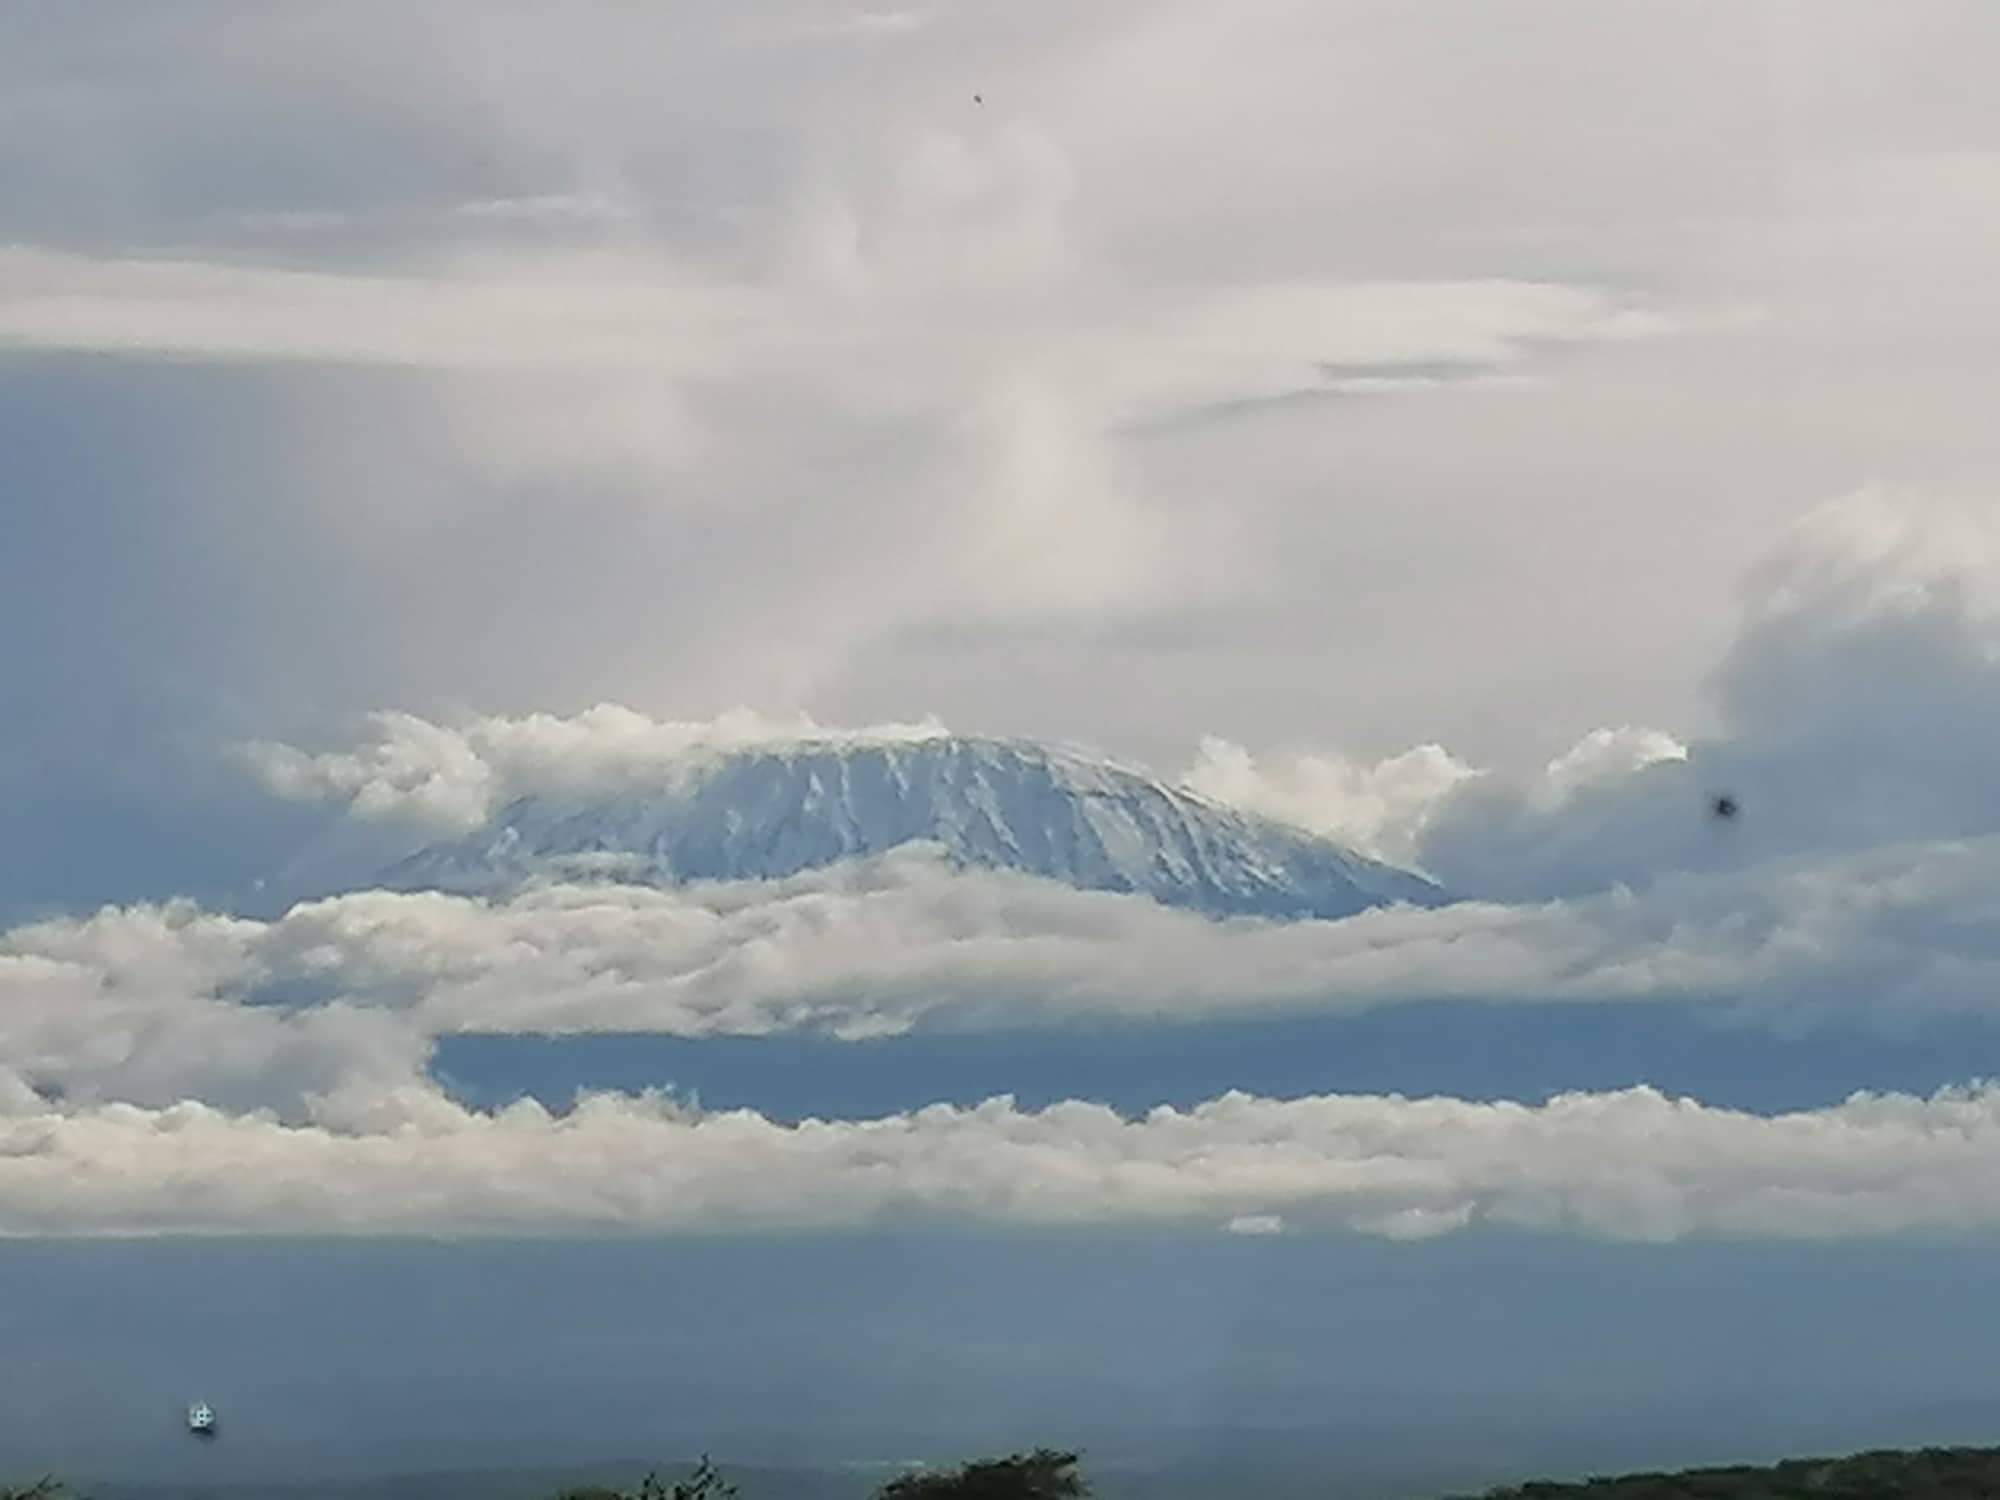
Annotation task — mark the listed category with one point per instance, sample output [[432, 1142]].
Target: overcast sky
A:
[[1344, 376], [1479, 432]]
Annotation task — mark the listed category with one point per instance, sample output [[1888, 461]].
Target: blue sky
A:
[[1479, 434]]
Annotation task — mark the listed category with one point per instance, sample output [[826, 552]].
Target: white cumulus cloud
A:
[[340, 999], [1380, 809], [451, 778], [1626, 1165]]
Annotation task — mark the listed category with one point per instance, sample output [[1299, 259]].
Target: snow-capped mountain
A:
[[770, 812]]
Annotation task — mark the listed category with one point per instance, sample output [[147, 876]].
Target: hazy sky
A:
[[1477, 431]]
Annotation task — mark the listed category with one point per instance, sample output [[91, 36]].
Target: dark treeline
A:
[[1927, 1474], [1045, 1474], [1052, 1474]]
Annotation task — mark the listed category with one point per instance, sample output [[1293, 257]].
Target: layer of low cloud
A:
[[1629, 1165], [339, 999]]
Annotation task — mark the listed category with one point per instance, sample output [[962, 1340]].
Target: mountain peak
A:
[[770, 811]]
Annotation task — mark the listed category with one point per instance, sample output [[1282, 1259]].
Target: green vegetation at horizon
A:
[[1045, 1474], [1890, 1474], [1051, 1474]]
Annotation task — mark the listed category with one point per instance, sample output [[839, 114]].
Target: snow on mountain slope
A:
[[769, 812]]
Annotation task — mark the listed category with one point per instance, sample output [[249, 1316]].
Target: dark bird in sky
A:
[[1724, 806], [978, 99]]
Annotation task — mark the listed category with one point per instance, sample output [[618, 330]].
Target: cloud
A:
[[933, 307], [1124, 246], [1852, 889], [412, 769], [1255, 1225], [1807, 913], [1875, 629], [591, 311], [534, 325], [164, 1070], [139, 1006], [1859, 705], [1381, 810], [336, 1000], [452, 779], [1856, 706], [695, 371], [903, 941], [970, 226], [855, 25], [1627, 1165], [1609, 755]]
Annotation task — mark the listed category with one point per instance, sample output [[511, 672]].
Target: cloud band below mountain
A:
[[156, 1004], [1627, 1165]]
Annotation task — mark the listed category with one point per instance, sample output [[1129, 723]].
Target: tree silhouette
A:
[[705, 1483], [1044, 1474]]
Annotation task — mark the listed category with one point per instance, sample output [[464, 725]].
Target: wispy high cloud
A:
[[1126, 357], [860, 24]]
